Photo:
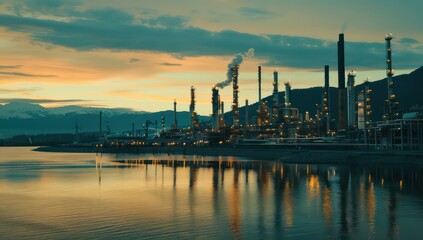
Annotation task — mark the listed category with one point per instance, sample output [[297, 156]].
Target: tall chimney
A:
[[215, 109], [342, 91], [175, 125], [235, 110]]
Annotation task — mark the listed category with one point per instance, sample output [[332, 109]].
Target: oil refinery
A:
[[278, 123]]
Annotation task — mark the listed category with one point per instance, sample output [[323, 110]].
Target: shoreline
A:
[[311, 156]]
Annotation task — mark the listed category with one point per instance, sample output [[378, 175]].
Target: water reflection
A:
[[295, 186], [214, 197]]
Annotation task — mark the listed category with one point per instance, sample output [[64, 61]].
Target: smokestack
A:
[[235, 111], [215, 109], [342, 92], [175, 125], [259, 86], [287, 94], [327, 76], [341, 62], [351, 100]]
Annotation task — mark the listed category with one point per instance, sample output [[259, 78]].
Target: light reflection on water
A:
[[67, 195]]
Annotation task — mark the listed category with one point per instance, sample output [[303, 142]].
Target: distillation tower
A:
[[326, 100], [364, 109], [391, 105], [351, 100], [222, 114], [192, 106], [193, 114], [259, 86], [215, 109], [275, 105]]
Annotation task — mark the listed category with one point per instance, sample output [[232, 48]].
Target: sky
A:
[[143, 54]]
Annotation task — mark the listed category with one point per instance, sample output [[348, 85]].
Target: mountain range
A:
[[19, 118]]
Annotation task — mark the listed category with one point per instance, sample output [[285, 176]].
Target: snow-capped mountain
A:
[[22, 110]]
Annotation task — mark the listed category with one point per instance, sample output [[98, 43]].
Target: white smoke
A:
[[237, 60]]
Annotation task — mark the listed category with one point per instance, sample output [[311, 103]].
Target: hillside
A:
[[408, 89]]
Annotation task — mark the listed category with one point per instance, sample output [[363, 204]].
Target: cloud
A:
[[10, 67], [251, 12], [171, 64], [21, 90], [44, 7], [166, 21], [134, 60], [408, 41], [25, 74], [116, 30], [40, 101]]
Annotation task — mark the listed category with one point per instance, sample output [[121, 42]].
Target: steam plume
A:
[[237, 60]]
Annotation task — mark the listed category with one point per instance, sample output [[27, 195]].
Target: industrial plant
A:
[[277, 123]]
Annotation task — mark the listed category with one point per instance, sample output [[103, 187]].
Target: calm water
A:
[[84, 196]]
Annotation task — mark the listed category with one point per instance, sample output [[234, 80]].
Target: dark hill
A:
[[408, 89]]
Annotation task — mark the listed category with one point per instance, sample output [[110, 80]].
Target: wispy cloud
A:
[[20, 90], [120, 92], [20, 74], [10, 67], [166, 21], [40, 101], [171, 64], [251, 12], [409, 41]]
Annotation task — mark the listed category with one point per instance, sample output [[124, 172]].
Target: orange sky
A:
[[36, 65]]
